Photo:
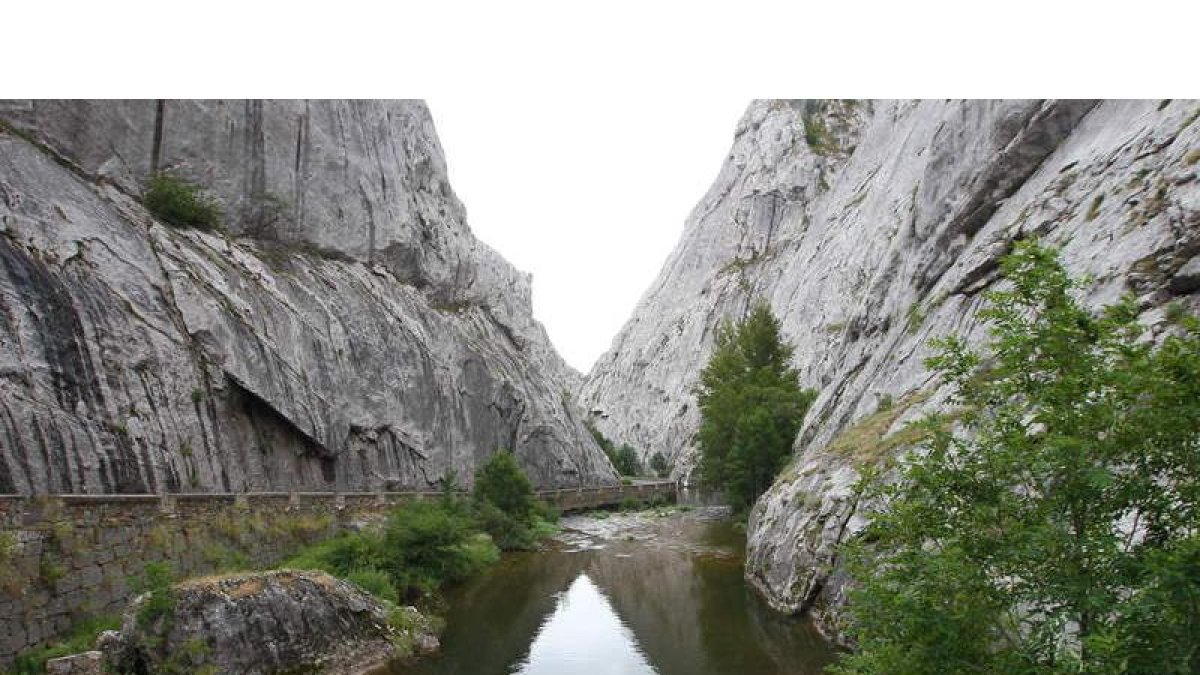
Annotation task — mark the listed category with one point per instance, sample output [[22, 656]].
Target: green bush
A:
[[156, 580], [427, 544], [505, 507], [422, 546], [181, 204], [501, 483], [658, 464], [1056, 531], [624, 458], [375, 582]]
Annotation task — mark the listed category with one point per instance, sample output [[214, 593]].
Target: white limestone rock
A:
[[870, 228], [360, 338]]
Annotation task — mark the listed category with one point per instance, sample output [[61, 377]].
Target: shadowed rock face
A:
[[347, 333], [870, 228]]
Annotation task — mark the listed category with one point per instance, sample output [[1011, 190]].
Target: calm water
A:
[[630, 595]]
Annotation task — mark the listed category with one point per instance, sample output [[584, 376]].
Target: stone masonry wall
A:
[[70, 557], [65, 558]]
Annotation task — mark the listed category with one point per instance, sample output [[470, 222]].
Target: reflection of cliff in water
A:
[[584, 635], [668, 592], [685, 600]]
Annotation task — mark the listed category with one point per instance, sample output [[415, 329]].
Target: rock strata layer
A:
[[344, 331], [871, 228]]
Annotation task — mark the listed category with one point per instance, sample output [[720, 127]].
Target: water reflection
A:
[[584, 635], [665, 596]]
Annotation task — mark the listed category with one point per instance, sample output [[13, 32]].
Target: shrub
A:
[[181, 204], [658, 464], [501, 483], [505, 507], [1056, 531], [160, 603], [375, 582], [427, 544]]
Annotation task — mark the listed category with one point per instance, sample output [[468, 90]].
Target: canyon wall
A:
[[343, 330], [871, 227]]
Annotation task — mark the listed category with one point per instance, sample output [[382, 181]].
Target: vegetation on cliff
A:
[[624, 458], [1054, 530], [751, 407], [179, 203]]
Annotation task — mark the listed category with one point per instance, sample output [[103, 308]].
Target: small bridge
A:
[[578, 499]]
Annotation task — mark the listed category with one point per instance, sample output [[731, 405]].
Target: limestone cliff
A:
[[870, 228], [346, 331]]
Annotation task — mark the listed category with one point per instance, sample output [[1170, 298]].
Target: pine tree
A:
[[751, 407]]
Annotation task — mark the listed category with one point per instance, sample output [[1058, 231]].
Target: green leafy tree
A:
[[658, 464], [751, 407], [502, 483], [1055, 530], [624, 458]]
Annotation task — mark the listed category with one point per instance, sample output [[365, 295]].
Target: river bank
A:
[[631, 593]]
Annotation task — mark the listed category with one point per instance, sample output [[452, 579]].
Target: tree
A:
[[751, 407], [658, 464], [624, 458], [1055, 529], [501, 483]]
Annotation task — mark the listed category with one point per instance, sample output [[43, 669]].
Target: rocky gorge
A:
[[342, 339], [344, 331], [871, 228]]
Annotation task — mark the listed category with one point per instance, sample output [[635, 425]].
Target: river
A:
[[627, 594]]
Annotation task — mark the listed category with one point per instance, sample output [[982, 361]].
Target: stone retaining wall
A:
[[64, 558]]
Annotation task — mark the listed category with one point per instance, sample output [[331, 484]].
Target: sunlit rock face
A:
[[871, 228], [346, 331]]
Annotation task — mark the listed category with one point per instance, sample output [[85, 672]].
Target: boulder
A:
[[266, 623]]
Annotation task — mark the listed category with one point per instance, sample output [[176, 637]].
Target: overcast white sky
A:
[[588, 194]]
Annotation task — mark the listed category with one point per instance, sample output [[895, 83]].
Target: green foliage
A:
[[625, 461], [501, 483], [156, 582], [375, 582], [1057, 531], [659, 465], [505, 507], [423, 545], [181, 204], [81, 638], [751, 407], [427, 544], [817, 135], [624, 458]]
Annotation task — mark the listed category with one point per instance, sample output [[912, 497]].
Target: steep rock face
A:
[[870, 228], [350, 334]]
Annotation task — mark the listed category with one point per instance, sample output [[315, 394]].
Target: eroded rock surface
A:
[[347, 332], [870, 228], [262, 624]]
